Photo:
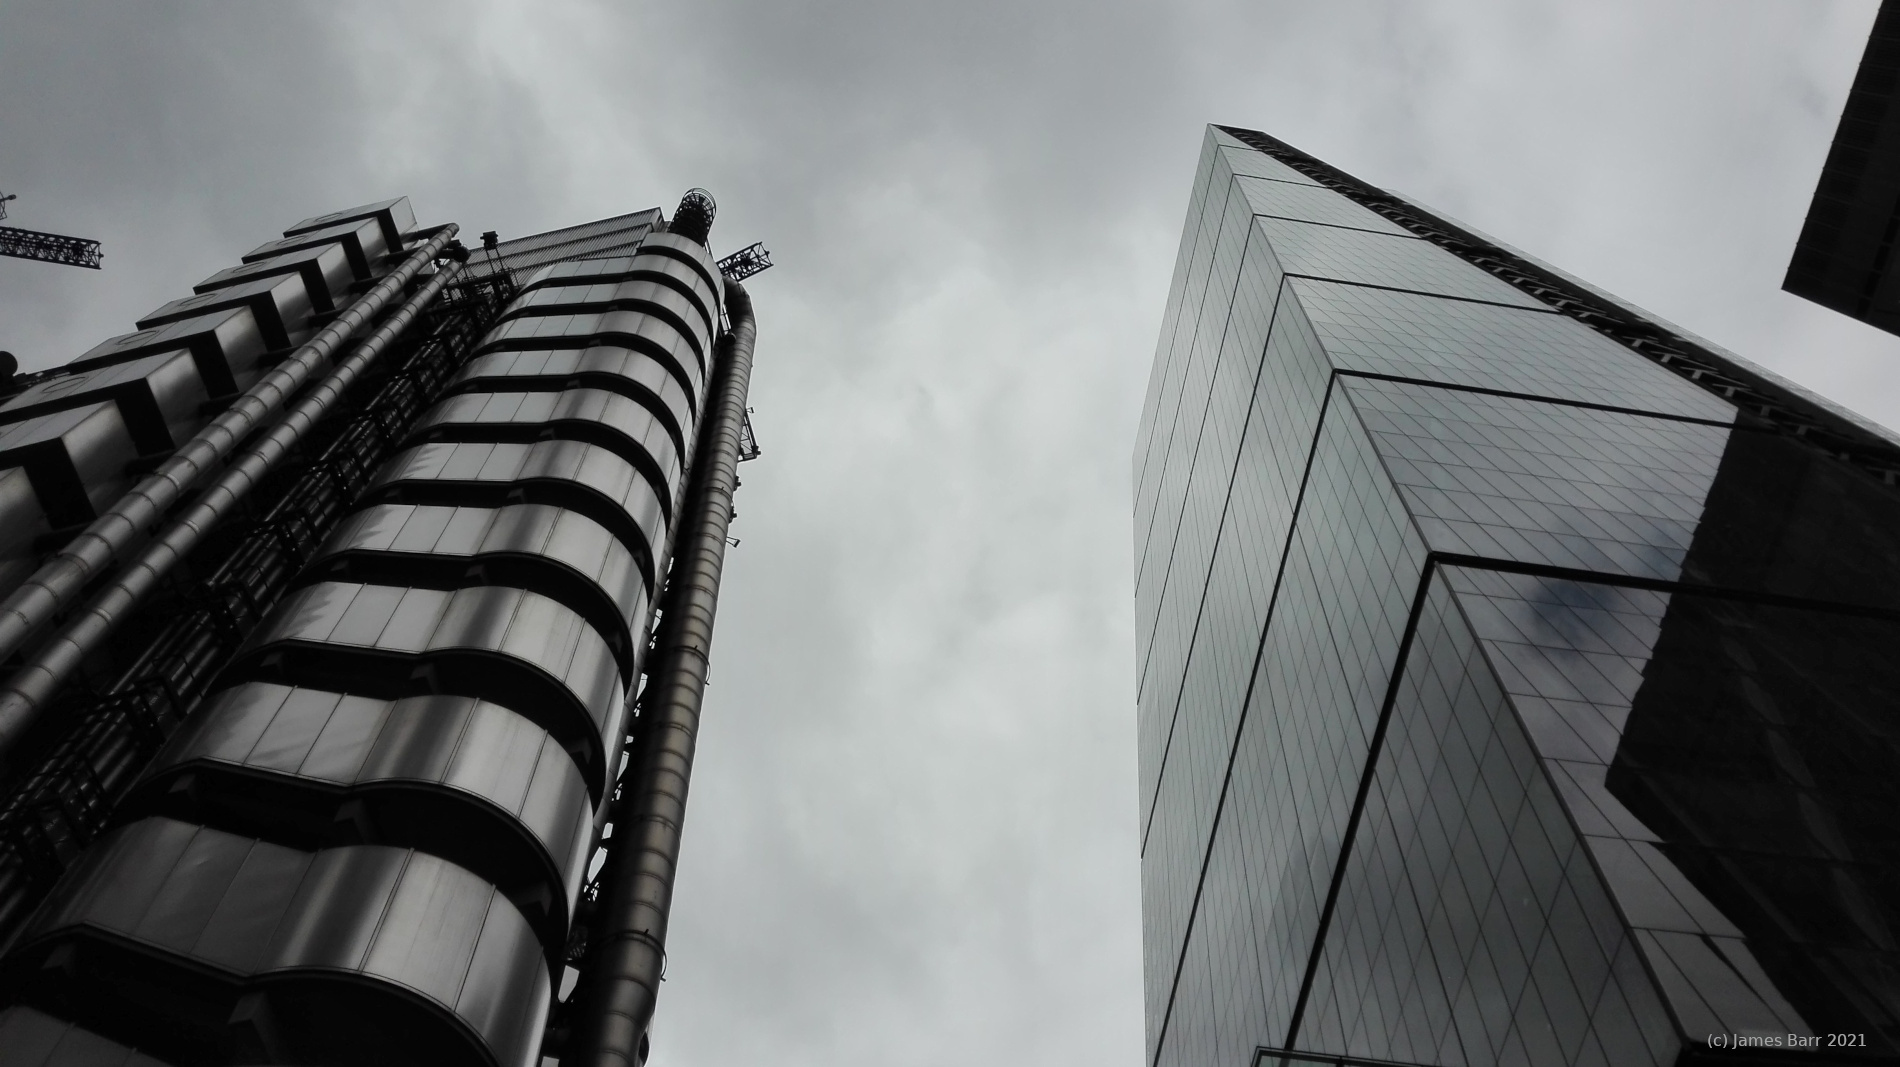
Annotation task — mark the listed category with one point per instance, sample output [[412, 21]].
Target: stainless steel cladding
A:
[[76, 459], [520, 648], [566, 474], [281, 304], [362, 241], [635, 375], [160, 397], [224, 948], [224, 343], [599, 417], [456, 777], [394, 216], [563, 555], [684, 272], [369, 842], [663, 339], [326, 274]]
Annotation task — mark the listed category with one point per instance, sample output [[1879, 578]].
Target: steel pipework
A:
[[29, 690], [627, 944], [61, 579]]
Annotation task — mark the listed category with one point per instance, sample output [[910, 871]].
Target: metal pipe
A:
[[28, 691], [627, 945], [63, 578]]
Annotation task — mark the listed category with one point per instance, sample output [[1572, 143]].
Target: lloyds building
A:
[[1517, 672], [354, 614]]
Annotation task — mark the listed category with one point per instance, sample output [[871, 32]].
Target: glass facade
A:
[[1514, 674]]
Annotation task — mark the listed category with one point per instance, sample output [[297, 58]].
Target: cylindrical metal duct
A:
[[30, 688], [627, 942], [64, 577]]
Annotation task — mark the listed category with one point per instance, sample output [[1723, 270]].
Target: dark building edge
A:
[[1866, 147]]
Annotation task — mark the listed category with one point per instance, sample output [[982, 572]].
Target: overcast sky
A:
[[912, 830]]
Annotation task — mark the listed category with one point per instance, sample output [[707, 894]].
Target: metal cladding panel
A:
[[596, 416], [663, 268], [75, 459], [430, 930], [224, 343], [579, 294], [569, 474], [281, 303], [603, 267], [641, 292], [325, 270], [362, 241], [30, 1038], [665, 293], [689, 251], [161, 397], [658, 337], [651, 297], [632, 374], [685, 277], [560, 554], [464, 779], [520, 649], [228, 949], [22, 523], [395, 217]]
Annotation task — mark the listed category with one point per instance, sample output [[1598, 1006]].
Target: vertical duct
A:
[[627, 943]]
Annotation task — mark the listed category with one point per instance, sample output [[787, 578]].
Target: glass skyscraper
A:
[[1519, 676]]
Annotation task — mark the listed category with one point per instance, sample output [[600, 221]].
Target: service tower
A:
[[354, 614]]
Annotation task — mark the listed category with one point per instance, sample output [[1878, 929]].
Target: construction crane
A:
[[46, 247], [746, 262]]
